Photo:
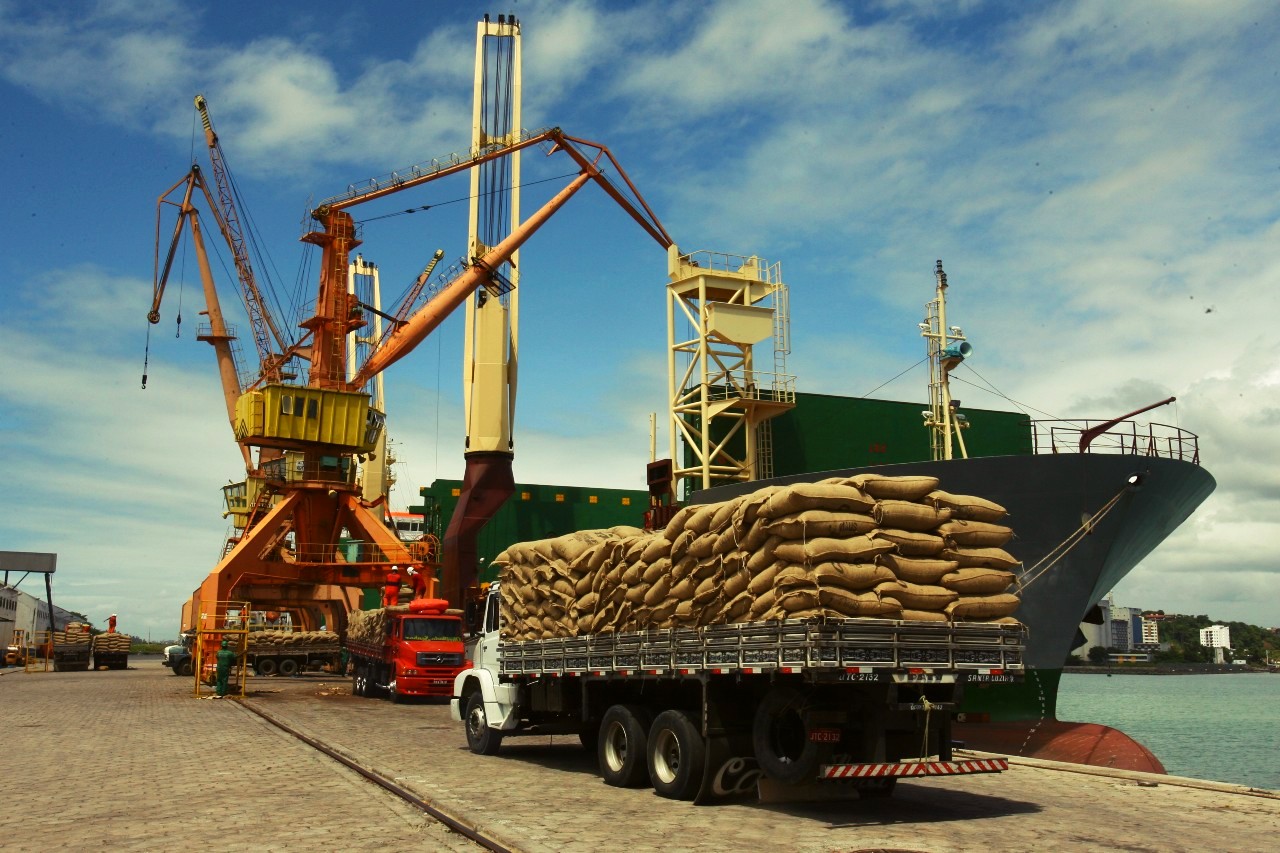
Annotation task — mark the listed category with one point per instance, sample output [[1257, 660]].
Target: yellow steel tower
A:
[[720, 309], [491, 345]]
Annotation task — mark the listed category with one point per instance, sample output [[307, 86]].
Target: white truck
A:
[[708, 712]]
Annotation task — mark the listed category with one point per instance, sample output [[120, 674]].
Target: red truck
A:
[[412, 649]]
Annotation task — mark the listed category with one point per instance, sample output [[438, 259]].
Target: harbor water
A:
[[1224, 728]]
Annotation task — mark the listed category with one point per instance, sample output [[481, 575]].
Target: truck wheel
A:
[[677, 754], [357, 680], [184, 668], [622, 745], [481, 739], [287, 667], [781, 738], [265, 666]]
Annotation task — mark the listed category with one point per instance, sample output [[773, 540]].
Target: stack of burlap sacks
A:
[[111, 642], [370, 626], [74, 634], [868, 545], [284, 640]]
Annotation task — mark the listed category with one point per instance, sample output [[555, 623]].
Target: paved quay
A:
[[136, 763], [130, 760]]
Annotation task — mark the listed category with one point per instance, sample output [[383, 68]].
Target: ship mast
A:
[[947, 347]]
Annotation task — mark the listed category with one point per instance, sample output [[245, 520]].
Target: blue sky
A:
[[1099, 178]]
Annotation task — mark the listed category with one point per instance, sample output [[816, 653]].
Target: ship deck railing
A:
[[1126, 438]]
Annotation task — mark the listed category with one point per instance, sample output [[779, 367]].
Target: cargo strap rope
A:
[[1058, 553], [924, 744]]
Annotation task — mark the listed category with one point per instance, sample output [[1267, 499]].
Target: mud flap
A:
[[731, 772]]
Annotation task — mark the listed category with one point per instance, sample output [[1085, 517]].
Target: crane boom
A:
[[228, 218]]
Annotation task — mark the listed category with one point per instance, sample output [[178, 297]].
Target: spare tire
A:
[[780, 735]]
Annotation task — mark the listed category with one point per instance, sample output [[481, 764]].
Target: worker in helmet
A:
[[418, 577], [225, 659], [391, 592]]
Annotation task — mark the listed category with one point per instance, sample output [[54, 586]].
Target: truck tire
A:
[[184, 668], [358, 681], [677, 755], [481, 739], [287, 667], [265, 666], [622, 746], [780, 736]]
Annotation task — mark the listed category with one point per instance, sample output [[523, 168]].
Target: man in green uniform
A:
[[226, 658]]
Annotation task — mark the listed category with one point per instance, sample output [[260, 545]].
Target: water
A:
[[1224, 728]]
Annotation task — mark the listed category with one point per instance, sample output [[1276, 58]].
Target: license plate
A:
[[439, 682], [924, 678], [824, 735]]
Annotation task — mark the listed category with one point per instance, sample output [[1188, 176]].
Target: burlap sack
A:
[[978, 581], [802, 496], [794, 575], [682, 569], [658, 591], [920, 597], [978, 534], [680, 546], [763, 603], [854, 549], [967, 506], [982, 607], [744, 516], [905, 515], [736, 582], [848, 603], [703, 546], [917, 569], [699, 521], [910, 543], [856, 577], [815, 523], [754, 537], [634, 573], [635, 594], [763, 580], [723, 515], [908, 488], [765, 556], [676, 525], [798, 598], [656, 569], [977, 558], [657, 548], [909, 615], [727, 541], [738, 606]]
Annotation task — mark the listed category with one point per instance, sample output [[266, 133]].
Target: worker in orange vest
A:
[[418, 578], [111, 624], [391, 592]]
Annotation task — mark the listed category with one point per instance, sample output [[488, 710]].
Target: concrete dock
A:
[[130, 760]]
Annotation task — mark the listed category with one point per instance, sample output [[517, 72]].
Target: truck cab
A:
[[419, 655]]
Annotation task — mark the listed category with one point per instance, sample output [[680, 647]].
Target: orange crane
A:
[[311, 532]]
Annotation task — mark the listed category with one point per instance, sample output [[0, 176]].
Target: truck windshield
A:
[[432, 629]]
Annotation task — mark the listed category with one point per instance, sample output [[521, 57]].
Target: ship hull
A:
[[1049, 498]]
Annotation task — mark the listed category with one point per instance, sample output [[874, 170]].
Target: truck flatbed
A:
[[837, 649]]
